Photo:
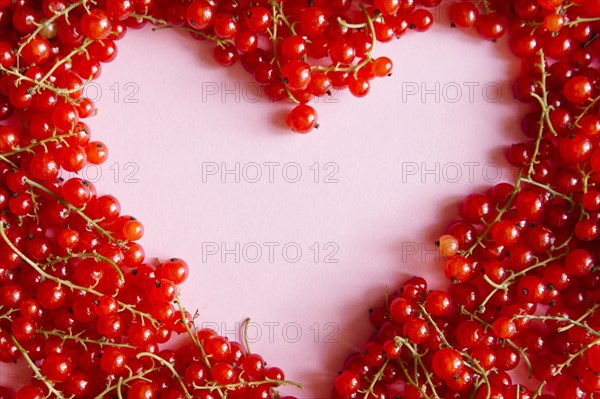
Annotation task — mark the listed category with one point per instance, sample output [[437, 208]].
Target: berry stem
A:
[[194, 339], [589, 312], [86, 255], [368, 54], [245, 333], [66, 58], [510, 279], [580, 20], [281, 15], [121, 381], [575, 356], [93, 223], [369, 391], [47, 22], [170, 367], [60, 138], [163, 24], [472, 363], [543, 99], [550, 190], [36, 371], [498, 217], [277, 12], [68, 283], [507, 341], [235, 385], [8, 161], [585, 111], [410, 380], [79, 338], [119, 385], [8, 312], [562, 319], [192, 336], [419, 360], [486, 6]]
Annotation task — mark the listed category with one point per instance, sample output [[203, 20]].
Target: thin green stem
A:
[[246, 322], [369, 391], [580, 20], [8, 161], [170, 367], [86, 255], [163, 24], [68, 283], [36, 371], [538, 391], [506, 341], [511, 278], [560, 319], [277, 11], [418, 358], [584, 316], [78, 211], [586, 110], [368, 55], [212, 387], [132, 377], [79, 338], [64, 59], [59, 138], [501, 212], [410, 380], [475, 364], [550, 190], [119, 385], [47, 22], [574, 356]]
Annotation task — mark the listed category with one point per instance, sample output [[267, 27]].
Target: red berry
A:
[[302, 119]]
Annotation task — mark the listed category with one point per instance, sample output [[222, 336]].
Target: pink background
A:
[[307, 316]]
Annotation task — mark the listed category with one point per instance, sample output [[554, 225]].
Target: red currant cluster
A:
[[78, 302], [523, 260]]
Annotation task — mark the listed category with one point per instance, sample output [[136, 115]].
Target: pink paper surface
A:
[[380, 180]]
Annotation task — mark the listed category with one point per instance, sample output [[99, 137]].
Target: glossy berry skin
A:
[[347, 383], [296, 74], [226, 55], [463, 14], [293, 48], [578, 89], [302, 119], [200, 14], [141, 390], [218, 348], [37, 51], [175, 270], [447, 363], [57, 367], [96, 24]]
